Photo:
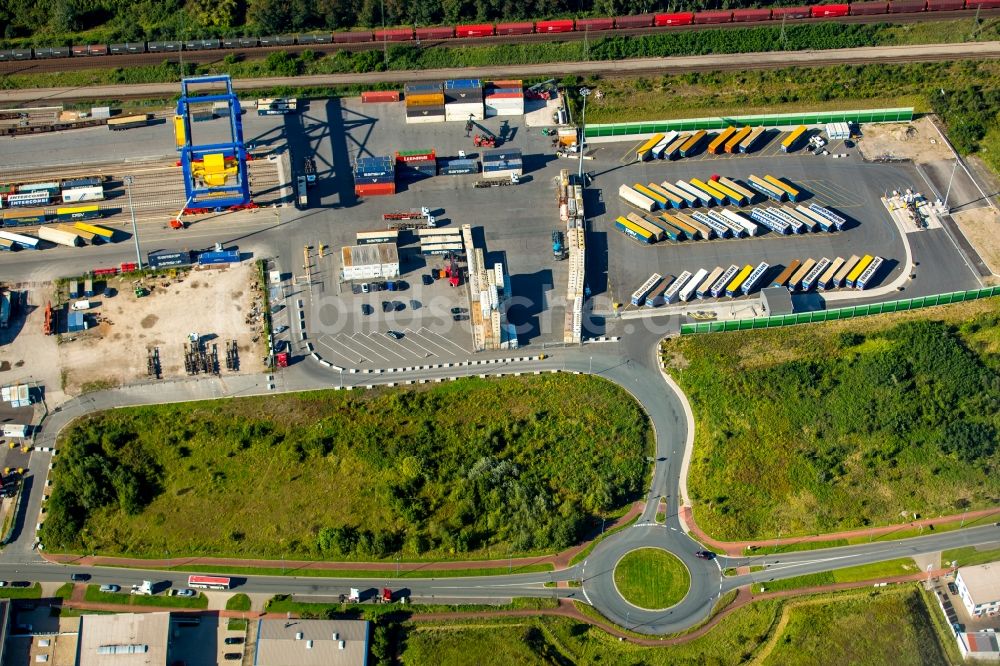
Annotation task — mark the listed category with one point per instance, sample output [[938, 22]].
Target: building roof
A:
[[367, 255], [312, 643], [982, 582], [776, 300], [983, 642], [124, 639]]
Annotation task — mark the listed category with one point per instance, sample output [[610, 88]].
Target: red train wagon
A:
[[713, 17], [869, 8], [635, 21], [558, 25], [435, 33], [830, 11], [592, 24], [351, 37], [683, 18], [945, 5], [394, 35], [907, 6], [749, 15], [791, 12], [520, 28], [477, 30]]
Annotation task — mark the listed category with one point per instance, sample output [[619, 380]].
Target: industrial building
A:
[[312, 642], [979, 588], [124, 639], [366, 262]]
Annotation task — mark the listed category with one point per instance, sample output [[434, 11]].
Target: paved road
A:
[[769, 60]]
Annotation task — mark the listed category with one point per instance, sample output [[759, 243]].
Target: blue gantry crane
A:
[[215, 174]]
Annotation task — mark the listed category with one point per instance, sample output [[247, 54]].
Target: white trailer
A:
[[59, 237], [637, 199], [739, 219], [688, 291]]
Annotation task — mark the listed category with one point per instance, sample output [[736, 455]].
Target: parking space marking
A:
[[834, 194], [369, 350], [376, 341], [360, 356], [347, 359], [424, 338], [410, 338], [444, 339]]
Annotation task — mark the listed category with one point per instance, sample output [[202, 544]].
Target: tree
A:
[[271, 16], [217, 13], [969, 440]]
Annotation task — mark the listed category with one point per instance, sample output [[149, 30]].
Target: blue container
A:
[[224, 257], [463, 83], [432, 87], [500, 91], [163, 259], [374, 180], [457, 171], [497, 154]]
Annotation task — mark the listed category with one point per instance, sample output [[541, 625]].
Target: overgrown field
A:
[[835, 426], [470, 468], [889, 629]]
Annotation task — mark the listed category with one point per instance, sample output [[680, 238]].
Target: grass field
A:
[[31, 592], [652, 578], [843, 425], [426, 474], [369, 573], [887, 569], [969, 555], [94, 594], [238, 602], [284, 603]]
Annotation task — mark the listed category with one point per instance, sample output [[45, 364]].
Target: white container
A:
[[636, 199], [83, 194]]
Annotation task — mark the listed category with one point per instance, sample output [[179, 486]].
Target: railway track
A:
[[215, 57], [612, 69]]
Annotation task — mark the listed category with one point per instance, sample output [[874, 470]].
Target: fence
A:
[[766, 120], [839, 313]]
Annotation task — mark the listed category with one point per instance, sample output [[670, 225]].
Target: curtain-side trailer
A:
[[784, 276], [639, 295], [792, 192], [703, 229], [692, 144], [719, 286], [796, 279], [841, 275], [638, 200], [705, 288], [869, 273], [755, 276], [688, 291], [827, 277]]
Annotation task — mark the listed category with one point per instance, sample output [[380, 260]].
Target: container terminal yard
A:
[[450, 228]]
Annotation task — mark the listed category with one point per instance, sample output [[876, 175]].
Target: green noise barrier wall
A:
[[626, 130], [839, 313]]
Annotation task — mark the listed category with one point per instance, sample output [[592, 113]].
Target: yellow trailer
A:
[[733, 142], [788, 144], [720, 140], [642, 154]]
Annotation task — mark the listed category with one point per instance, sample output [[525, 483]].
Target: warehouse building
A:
[[312, 643], [366, 262], [979, 588], [124, 639]]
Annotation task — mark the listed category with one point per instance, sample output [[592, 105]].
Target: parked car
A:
[[457, 310], [280, 345], [364, 288], [233, 656], [705, 555], [185, 592], [459, 317], [110, 588], [234, 640], [78, 577], [3, 583], [427, 280], [280, 329], [366, 309], [395, 335], [386, 306], [398, 306]]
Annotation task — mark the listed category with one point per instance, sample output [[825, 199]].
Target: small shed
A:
[[776, 301]]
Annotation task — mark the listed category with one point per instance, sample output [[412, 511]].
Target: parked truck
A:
[[558, 246], [410, 219]]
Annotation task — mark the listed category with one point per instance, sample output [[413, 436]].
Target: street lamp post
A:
[[584, 93], [128, 180]]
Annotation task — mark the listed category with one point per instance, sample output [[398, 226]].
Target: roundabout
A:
[[652, 578]]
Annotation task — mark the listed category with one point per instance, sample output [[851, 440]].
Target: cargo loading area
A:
[[370, 161]]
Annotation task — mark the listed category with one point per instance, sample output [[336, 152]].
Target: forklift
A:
[[485, 140]]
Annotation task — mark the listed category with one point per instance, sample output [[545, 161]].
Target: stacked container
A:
[[463, 98], [457, 167], [414, 164], [505, 98], [424, 103], [374, 175], [502, 163]]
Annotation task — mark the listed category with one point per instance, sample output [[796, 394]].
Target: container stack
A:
[[374, 176], [416, 164], [502, 163], [505, 98], [424, 103], [457, 167], [463, 99]]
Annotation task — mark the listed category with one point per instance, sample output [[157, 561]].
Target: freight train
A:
[[486, 30]]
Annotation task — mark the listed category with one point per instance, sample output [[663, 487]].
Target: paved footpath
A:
[[737, 548], [558, 561]]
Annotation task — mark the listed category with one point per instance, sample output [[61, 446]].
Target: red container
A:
[[750, 15], [559, 25], [102, 272], [907, 6], [374, 189], [830, 11], [713, 17], [982, 4], [945, 5], [869, 8], [421, 157], [791, 12], [685, 18], [374, 96], [394, 35], [351, 37], [504, 96], [590, 25], [128, 267], [507, 83], [479, 30], [635, 21], [435, 33], [515, 28]]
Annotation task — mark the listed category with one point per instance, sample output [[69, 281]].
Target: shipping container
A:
[[703, 230], [755, 276], [737, 218], [805, 220], [826, 279], [639, 295], [736, 187], [638, 200], [424, 99], [720, 140], [718, 228], [692, 285], [673, 201], [631, 230], [692, 145], [634, 21], [673, 292], [374, 189], [673, 149], [717, 192], [799, 275], [682, 18], [733, 142], [830, 11], [516, 28], [809, 281], [219, 257], [22, 199], [81, 194], [558, 25], [835, 219], [71, 213], [858, 269], [868, 275], [661, 146], [784, 276], [377, 96], [735, 228], [660, 200], [719, 286], [645, 151], [748, 144], [166, 258], [788, 145], [845, 269], [594, 24], [23, 241], [705, 287], [762, 216], [792, 191], [679, 228], [766, 188], [713, 17], [103, 234], [659, 232], [59, 236], [823, 222]]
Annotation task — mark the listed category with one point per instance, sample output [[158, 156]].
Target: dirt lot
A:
[[981, 227], [918, 141], [213, 302]]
